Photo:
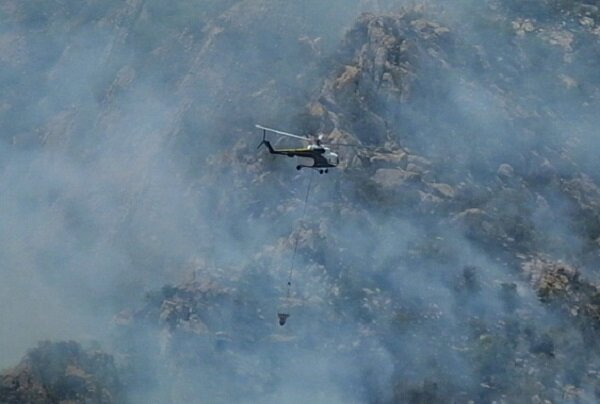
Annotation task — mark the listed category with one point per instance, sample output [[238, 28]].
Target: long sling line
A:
[[289, 283]]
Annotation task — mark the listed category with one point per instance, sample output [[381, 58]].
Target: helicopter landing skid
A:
[[320, 170]]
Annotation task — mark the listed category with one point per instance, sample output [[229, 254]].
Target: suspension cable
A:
[[289, 283]]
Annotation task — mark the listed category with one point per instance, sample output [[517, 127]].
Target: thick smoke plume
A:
[[455, 259]]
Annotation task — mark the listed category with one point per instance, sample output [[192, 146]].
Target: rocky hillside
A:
[[452, 259], [62, 373]]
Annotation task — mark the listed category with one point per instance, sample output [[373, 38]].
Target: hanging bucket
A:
[[282, 318]]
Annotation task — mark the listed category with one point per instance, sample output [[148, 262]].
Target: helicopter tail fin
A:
[[264, 140], [268, 144]]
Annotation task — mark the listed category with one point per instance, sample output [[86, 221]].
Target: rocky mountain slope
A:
[[62, 372], [454, 260]]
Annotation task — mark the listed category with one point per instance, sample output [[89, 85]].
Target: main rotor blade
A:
[[348, 145], [360, 146], [279, 132], [379, 149]]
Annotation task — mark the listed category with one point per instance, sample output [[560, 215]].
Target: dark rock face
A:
[[62, 372], [561, 286]]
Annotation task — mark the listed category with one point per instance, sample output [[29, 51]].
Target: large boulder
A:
[[394, 178]]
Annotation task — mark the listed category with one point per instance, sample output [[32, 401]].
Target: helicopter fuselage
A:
[[322, 157]]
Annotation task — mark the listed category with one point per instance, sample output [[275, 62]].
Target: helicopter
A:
[[322, 156]]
